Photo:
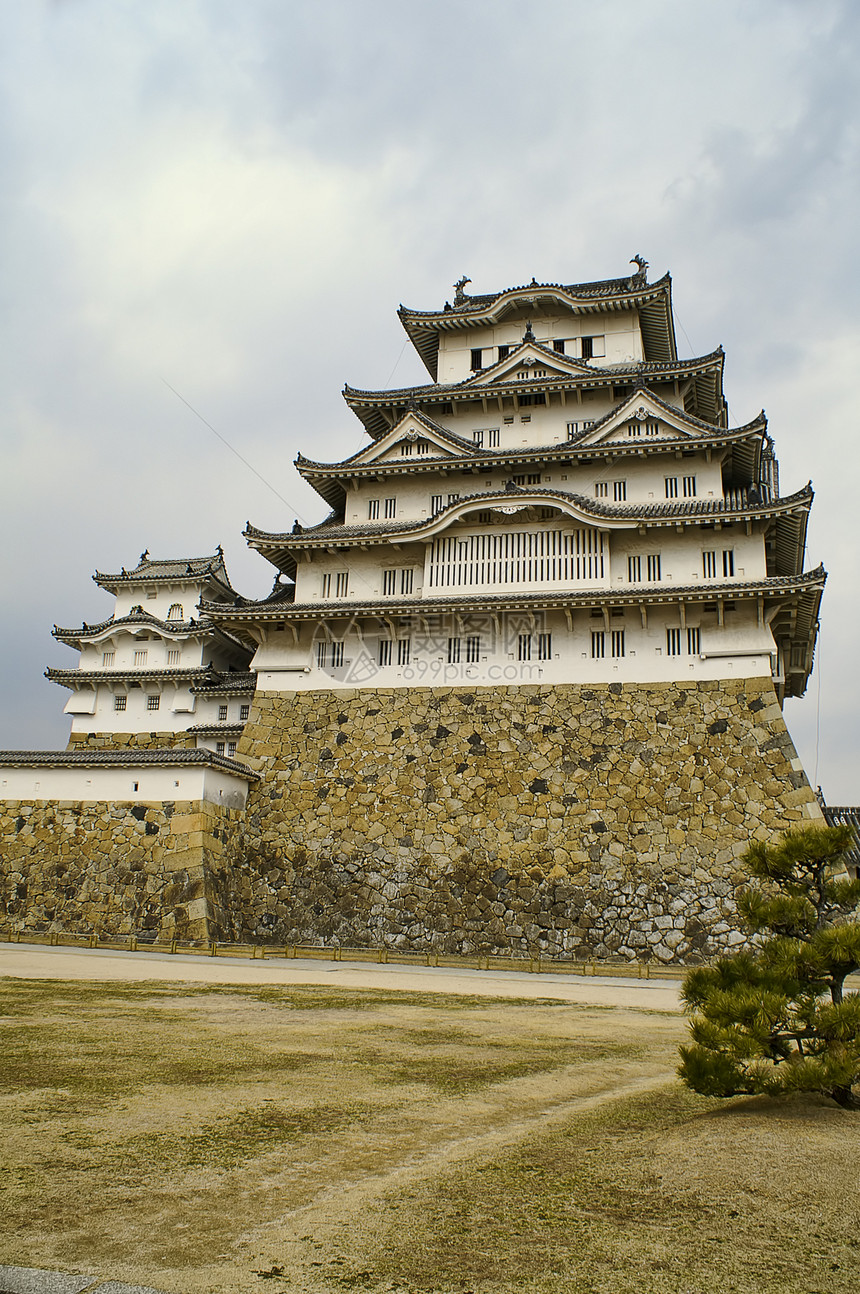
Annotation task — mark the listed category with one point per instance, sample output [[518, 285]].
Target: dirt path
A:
[[321, 1232], [26, 961]]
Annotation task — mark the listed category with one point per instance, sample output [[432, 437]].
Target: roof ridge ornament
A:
[[459, 294], [528, 335], [642, 272]]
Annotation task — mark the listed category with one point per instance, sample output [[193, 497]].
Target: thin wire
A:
[[684, 331], [226, 442], [397, 362]]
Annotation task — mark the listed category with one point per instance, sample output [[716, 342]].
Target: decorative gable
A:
[[413, 436], [641, 419], [530, 362]]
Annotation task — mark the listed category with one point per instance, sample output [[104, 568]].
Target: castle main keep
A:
[[520, 691]]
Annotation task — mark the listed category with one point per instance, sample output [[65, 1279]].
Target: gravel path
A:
[[31, 961]]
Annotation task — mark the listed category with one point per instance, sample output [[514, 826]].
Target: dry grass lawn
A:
[[208, 1140]]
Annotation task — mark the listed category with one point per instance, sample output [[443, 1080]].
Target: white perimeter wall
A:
[[127, 785]]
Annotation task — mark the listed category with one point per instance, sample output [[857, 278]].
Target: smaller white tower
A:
[[157, 673]]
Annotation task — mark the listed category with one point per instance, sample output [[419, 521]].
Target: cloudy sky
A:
[[231, 199]]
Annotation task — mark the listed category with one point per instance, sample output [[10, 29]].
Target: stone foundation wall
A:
[[575, 821], [133, 740], [145, 869]]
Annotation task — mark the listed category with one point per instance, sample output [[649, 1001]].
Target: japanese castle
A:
[[520, 689]]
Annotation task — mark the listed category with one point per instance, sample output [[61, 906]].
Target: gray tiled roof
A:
[[836, 815], [811, 581], [635, 282], [215, 684], [558, 449], [689, 508], [123, 757], [622, 373], [70, 677]]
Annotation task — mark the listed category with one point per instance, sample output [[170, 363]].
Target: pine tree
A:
[[777, 1020]]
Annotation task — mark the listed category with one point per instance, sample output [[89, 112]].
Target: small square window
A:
[[453, 651], [477, 359], [153, 701], [219, 747], [493, 437], [404, 651], [619, 491], [244, 711], [544, 646], [390, 509], [140, 659], [337, 654], [558, 347], [384, 654], [598, 644], [601, 489], [473, 649], [222, 714], [670, 484], [231, 748], [107, 659], [120, 702], [617, 643], [673, 642], [373, 509], [435, 503], [173, 655], [389, 583], [341, 584]]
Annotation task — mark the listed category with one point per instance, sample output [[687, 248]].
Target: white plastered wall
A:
[[127, 785]]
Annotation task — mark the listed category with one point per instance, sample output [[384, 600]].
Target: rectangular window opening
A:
[[598, 644]]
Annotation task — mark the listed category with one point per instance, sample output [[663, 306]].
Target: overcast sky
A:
[[231, 199]]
